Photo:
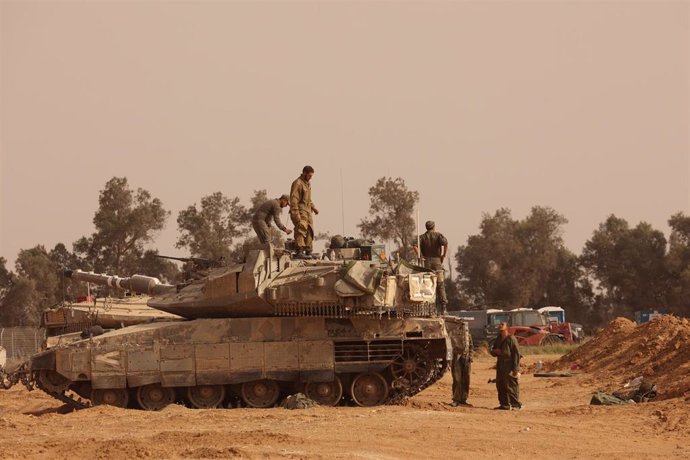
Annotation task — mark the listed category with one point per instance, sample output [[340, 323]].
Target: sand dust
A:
[[557, 421]]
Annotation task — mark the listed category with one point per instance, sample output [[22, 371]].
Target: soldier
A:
[[461, 365], [301, 208], [269, 210], [505, 349], [434, 249]]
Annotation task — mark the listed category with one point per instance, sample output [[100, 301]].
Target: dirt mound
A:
[[658, 350]]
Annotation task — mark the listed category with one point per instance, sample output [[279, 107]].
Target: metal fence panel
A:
[[21, 342]]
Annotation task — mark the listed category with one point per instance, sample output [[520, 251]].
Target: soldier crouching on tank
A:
[[301, 209], [461, 366], [507, 352], [269, 210], [434, 248]]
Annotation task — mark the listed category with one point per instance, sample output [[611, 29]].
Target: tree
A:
[[513, 263], [34, 288], [209, 230], [629, 263], [21, 304], [391, 210], [35, 264], [125, 220], [678, 264]]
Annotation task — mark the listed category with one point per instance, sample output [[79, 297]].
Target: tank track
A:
[[400, 396], [68, 399]]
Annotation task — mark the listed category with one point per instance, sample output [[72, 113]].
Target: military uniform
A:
[[301, 209], [431, 244], [261, 221], [461, 366], [507, 361]]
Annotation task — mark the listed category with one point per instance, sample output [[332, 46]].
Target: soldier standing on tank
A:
[[301, 209], [269, 210], [507, 352], [461, 366], [434, 247]]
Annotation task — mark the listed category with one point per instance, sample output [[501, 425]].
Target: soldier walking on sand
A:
[[269, 210], [461, 366], [505, 349], [434, 247], [301, 208]]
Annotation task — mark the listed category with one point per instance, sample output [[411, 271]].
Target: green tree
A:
[[629, 264], [391, 211], [21, 305], [678, 264], [210, 229], [126, 219], [35, 264], [34, 288], [519, 263]]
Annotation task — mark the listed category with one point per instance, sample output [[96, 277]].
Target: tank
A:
[[72, 320], [342, 330]]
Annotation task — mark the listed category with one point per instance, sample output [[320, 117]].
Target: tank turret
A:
[[271, 283]]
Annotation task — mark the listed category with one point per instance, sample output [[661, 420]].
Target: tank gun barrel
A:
[[136, 283]]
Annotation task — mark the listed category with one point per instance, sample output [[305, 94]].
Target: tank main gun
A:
[[137, 283]]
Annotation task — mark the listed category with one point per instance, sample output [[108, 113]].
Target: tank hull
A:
[[231, 354]]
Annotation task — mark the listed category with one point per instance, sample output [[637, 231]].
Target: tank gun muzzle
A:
[[136, 283]]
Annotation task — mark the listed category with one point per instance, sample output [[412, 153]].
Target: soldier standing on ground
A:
[[461, 366], [269, 210], [301, 208], [434, 247], [505, 349]]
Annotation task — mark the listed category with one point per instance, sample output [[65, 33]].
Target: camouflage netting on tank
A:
[[658, 350]]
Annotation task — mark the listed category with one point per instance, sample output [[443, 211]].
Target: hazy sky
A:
[[582, 106]]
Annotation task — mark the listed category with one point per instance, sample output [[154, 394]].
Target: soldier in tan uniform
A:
[[301, 208], [269, 210], [461, 366], [434, 248]]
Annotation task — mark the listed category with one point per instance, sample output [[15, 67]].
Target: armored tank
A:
[[346, 329]]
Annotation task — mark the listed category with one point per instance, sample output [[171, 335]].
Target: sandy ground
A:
[[556, 422]]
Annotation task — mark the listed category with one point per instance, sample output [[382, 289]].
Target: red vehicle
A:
[[535, 336]]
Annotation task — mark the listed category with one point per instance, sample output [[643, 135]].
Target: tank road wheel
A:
[[52, 382], [413, 366], [118, 397], [206, 396], [325, 393], [369, 389], [260, 393], [154, 396]]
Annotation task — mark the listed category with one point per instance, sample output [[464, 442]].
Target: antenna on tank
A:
[[419, 248], [342, 199]]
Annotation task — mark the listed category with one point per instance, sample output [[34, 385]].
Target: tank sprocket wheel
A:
[[118, 397], [260, 393], [325, 393], [154, 396], [413, 365], [206, 396], [369, 389], [52, 382]]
